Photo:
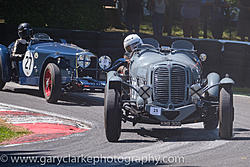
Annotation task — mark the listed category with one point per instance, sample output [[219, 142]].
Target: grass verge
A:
[[9, 131], [241, 91], [177, 31]]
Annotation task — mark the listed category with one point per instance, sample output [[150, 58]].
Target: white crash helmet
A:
[[131, 42]]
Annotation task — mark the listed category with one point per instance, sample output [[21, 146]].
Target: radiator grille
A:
[[92, 71], [170, 85], [178, 88], [161, 85]]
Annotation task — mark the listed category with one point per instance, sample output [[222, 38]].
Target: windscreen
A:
[[42, 37], [182, 44], [151, 41]]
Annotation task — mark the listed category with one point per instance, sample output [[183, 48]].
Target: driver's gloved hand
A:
[[19, 49]]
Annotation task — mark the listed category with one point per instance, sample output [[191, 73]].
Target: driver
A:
[[24, 32], [20, 46], [130, 43]]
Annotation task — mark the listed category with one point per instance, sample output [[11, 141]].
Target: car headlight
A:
[[83, 61], [104, 62]]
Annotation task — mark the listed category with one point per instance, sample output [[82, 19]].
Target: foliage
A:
[[241, 91], [9, 131], [232, 2], [70, 14], [6, 133]]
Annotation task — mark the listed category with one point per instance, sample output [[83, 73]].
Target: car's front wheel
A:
[[112, 115], [52, 83], [2, 83], [226, 113]]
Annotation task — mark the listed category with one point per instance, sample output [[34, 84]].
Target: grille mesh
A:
[[177, 85], [91, 71], [164, 79], [161, 85]]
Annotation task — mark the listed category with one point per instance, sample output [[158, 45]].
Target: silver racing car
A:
[[164, 86]]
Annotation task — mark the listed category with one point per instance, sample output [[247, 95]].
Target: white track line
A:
[[87, 124], [242, 96], [81, 123]]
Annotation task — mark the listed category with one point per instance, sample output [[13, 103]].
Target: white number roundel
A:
[[28, 63]]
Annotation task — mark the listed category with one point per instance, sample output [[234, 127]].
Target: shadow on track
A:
[[25, 153], [180, 134], [68, 99], [81, 99], [31, 92], [241, 134]]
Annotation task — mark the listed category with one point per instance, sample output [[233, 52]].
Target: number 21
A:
[[28, 62]]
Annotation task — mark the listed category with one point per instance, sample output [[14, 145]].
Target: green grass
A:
[[241, 91], [9, 131], [146, 28]]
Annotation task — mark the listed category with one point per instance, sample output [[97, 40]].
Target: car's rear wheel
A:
[[112, 115], [52, 83], [212, 122], [226, 113], [2, 83]]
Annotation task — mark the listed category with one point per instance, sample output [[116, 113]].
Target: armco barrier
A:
[[233, 61], [213, 50], [111, 44], [55, 34], [247, 67], [230, 57], [87, 40]]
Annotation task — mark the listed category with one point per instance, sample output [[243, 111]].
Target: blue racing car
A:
[[55, 67]]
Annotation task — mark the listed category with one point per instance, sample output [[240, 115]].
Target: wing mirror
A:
[[203, 57]]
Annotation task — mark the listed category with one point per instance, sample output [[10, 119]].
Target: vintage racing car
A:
[[164, 86], [55, 67]]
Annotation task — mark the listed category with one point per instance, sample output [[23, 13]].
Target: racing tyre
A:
[[112, 115], [212, 122], [2, 83], [52, 83], [226, 113]]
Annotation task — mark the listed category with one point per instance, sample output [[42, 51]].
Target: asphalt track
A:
[[197, 147]]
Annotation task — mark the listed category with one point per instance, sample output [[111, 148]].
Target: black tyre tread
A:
[[226, 113], [41, 88], [112, 115], [56, 83], [2, 83]]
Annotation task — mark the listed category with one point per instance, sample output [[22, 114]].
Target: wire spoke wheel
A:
[[52, 83], [47, 82]]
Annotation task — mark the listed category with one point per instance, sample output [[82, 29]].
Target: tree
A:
[[70, 14]]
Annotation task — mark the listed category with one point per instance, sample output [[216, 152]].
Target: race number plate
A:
[[28, 63], [155, 110]]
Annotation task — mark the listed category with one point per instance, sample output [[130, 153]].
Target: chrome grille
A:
[[161, 85], [170, 85], [178, 80]]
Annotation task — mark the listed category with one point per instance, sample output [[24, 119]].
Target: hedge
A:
[[68, 14]]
